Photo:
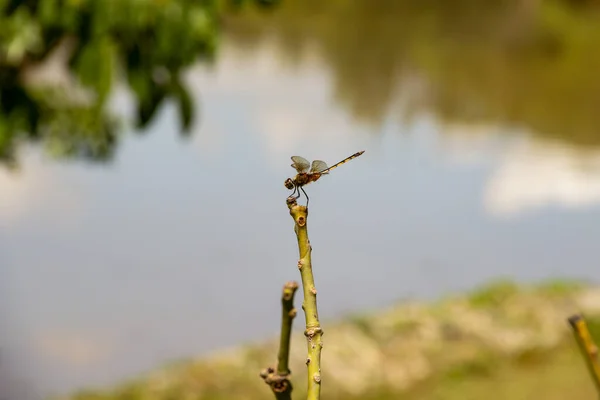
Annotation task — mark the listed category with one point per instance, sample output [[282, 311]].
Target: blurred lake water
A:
[[482, 162]]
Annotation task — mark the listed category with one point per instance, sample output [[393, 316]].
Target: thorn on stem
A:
[[311, 332], [266, 372]]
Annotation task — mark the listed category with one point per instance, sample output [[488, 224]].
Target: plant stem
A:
[[313, 330], [288, 313], [587, 346], [279, 379]]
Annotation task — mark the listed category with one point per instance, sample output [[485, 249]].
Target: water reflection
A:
[[134, 260], [531, 64], [180, 247]]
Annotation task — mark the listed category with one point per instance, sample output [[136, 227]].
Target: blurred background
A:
[[144, 146]]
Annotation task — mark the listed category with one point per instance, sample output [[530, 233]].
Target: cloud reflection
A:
[[36, 190], [536, 174], [292, 111], [74, 349]]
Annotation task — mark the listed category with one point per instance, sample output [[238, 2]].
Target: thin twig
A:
[[279, 379], [313, 330], [288, 313], [587, 346]]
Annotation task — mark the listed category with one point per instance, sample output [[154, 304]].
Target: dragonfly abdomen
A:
[[345, 160]]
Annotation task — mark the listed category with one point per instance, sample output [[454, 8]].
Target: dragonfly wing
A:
[[318, 166], [300, 164]]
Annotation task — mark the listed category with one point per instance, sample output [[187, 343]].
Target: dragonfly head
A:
[[289, 184]]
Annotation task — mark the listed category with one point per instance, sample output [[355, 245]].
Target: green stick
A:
[[313, 330], [279, 379], [587, 346]]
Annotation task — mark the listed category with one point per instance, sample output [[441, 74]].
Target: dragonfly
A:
[[308, 173]]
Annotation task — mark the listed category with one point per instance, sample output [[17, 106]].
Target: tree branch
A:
[[279, 380], [313, 330], [587, 346]]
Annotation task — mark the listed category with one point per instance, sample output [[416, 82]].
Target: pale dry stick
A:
[[279, 379], [313, 330], [587, 346]]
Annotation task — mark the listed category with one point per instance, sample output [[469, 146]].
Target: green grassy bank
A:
[[501, 341]]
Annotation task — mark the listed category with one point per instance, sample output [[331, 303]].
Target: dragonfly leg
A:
[[301, 188], [294, 192]]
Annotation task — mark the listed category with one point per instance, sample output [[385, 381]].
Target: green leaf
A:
[[147, 106], [95, 66], [186, 105], [140, 82], [49, 12]]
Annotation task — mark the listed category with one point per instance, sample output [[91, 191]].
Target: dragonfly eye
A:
[[289, 184]]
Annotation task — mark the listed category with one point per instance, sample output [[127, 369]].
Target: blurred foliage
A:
[[146, 43], [523, 63], [494, 294]]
